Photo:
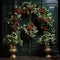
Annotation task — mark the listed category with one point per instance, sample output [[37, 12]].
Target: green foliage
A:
[[41, 17], [13, 38]]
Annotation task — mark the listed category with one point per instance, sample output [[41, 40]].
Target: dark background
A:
[[36, 50]]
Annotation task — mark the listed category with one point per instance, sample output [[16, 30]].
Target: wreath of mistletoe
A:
[[39, 22]]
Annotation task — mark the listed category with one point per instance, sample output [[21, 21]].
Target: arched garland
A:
[[40, 21]]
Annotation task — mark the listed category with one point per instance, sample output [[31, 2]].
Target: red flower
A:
[[45, 28], [41, 19], [20, 11], [15, 19], [17, 23], [31, 26], [41, 10], [14, 28], [30, 8]]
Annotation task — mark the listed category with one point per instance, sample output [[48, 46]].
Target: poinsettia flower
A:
[[31, 26], [41, 10], [18, 10], [30, 8], [45, 28], [14, 28], [15, 19], [41, 18]]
